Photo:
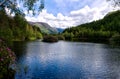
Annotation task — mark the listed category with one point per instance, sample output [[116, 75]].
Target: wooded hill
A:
[[100, 30]]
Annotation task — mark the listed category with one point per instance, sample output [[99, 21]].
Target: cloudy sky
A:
[[68, 13]]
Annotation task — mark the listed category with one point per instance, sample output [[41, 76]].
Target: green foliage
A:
[[17, 29], [3, 18], [18, 34], [20, 21], [38, 35], [102, 29], [6, 34], [50, 38], [115, 40], [61, 37], [7, 59], [68, 36], [32, 33]]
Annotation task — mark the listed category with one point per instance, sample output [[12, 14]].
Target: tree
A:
[[30, 5]]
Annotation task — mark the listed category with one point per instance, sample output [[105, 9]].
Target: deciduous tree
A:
[[30, 5]]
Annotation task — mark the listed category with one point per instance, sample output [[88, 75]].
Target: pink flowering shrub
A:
[[7, 58]]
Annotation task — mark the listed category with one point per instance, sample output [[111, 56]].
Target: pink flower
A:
[[1, 59], [8, 49], [10, 55]]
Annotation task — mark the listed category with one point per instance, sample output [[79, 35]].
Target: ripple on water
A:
[[68, 60]]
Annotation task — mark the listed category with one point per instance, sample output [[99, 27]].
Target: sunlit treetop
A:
[[29, 5]]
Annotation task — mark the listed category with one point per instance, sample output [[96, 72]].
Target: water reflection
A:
[[68, 60]]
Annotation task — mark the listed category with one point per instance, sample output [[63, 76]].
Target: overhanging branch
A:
[[2, 2]]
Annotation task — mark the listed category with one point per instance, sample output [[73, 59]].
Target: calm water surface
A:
[[67, 60]]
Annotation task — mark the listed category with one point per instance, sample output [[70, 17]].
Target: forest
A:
[[100, 30], [17, 28]]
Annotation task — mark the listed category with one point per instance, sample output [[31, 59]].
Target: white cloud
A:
[[83, 15], [59, 21], [81, 11]]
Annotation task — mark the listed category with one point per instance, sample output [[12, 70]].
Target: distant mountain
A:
[[60, 30], [45, 28]]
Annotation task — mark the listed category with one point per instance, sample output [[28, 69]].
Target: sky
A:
[[70, 13]]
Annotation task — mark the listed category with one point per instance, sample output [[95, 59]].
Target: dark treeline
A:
[[17, 28], [100, 30]]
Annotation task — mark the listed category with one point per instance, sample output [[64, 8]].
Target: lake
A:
[[66, 60]]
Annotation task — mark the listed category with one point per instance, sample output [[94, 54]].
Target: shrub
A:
[[50, 38], [61, 37], [38, 35], [115, 40], [6, 34], [7, 58]]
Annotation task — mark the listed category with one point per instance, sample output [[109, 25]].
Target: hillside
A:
[[45, 28], [99, 30]]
